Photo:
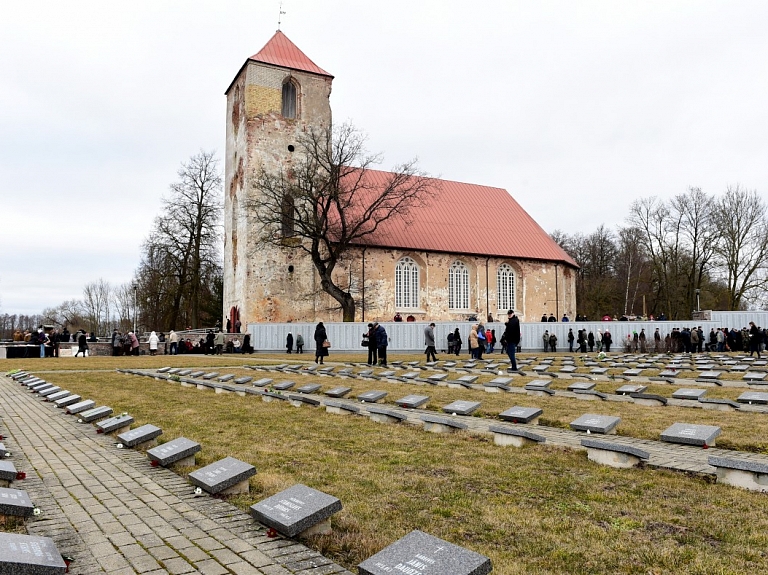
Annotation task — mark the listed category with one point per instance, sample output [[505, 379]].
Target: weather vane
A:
[[280, 16]]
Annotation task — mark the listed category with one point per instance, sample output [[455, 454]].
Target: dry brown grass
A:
[[535, 510]]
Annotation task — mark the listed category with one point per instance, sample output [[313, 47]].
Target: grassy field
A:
[[534, 510]]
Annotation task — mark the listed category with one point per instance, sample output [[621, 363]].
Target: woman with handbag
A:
[[321, 343]]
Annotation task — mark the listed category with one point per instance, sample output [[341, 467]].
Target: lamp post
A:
[[698, 302], [135, 289]]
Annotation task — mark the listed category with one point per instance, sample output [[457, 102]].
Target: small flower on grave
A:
[[80, 421], [21, 475], [588, 432], [271, 532], [154, 463], [705, 446], [99, 430], [37, 511], [198, 491], [119, 445], [7, 453]]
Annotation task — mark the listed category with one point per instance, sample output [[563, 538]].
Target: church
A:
[[440, 265]]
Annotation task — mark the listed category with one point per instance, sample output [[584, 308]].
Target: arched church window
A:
[[458, 286], [288, 217], [407, 284], [290, 101], [505, 287]]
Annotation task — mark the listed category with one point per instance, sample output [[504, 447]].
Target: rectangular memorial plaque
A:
[[295, 510], [686, 393], [139, 435], [756, 397], [419, 553], [691, 434], [179, 448], [412, 401], [338, 391], [114, 423], [15, 502], [81, 406], [68, 400], [372, 396], [95, 414], [222, 474], [461, 407], [519, 414], [309, 388], [29, 555], [595, 423]]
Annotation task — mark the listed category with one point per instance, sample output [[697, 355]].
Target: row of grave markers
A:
[[732, 471], [297, 511]]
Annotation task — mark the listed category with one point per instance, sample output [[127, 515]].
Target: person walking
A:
[[299, 343], [173, 337], [218, 342], [429, 341], [570, 340], [755, 335], [512, 337], [457, 343], [321, 343], [289, 342], [82, 343]]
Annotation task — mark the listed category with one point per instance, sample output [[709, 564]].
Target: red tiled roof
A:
[[467, 219], [280, 51]]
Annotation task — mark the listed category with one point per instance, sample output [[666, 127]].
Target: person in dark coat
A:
[[370, 337], [289, 342], [321, 336], [512, 337], [82, 343], [457, 341], [382, 341]]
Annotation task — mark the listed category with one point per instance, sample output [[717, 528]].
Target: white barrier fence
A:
[[409, 336]]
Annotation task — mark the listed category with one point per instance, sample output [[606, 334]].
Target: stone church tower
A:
[[278, 94]]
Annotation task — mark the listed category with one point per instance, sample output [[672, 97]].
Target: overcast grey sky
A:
[[575, 107]]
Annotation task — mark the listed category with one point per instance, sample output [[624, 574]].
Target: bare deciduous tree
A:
[[329, 202], [742, 245]]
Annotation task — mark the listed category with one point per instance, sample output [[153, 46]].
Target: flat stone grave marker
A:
[[470, 365], [68, 400], [412, 401], [283, 385], [461, 407], [449, 364], [520, 414], [340, 408], [180, 450], [346, 372], [80, 406], [297, 510], [227, 476], [387, 373], [7, 473], [540, 368], [29, 555], [710, 374], [754, 376], [174, 371], [690, 434], [410, 375], [39, 386], [364, 373], [299, 400], [338, 391], [163, 369], [605, 424], [184, 372], [95, 414], [627, 389], [740, 367], [568, 369], [57, 395], [491, 367], [243, 380], [226, 377], [539, 386], [119, 423], [140, 435], [581, 385], [263, 382], [686, 393], [326, 370], [669, 373], [498, 382], [644, 365], [372, 396], [211, 375], [196, 373], [760, 363], [383, 415], [599, 370], [15, 502], [3, 451], [631, 372], [437, 377], [309, 388], [412, 363], [467, 379], [419, 553], [756, 397], [50, 391]]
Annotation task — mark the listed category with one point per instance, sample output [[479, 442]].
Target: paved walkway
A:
[[113, 513]]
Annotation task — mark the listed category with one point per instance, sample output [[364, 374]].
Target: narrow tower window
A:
[[290, 106]]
